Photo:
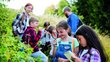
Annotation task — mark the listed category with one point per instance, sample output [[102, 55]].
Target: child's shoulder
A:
[[72, 38], [30, 29], [94, 51]]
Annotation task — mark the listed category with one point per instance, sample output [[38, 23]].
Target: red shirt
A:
[[30, 36]]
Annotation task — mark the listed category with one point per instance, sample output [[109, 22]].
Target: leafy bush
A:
[[11, 49]]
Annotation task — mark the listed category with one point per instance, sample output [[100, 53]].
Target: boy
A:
[[30, 37]]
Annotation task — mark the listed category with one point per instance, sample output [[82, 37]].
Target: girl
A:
[[64, 43], [21, 21], [53, 36], [45, 37], [90, 49]]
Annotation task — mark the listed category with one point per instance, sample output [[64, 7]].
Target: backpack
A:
[[45, 41], [16, 25], [80, 23]]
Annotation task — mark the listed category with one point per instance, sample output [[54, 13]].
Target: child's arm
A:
[[38, 35], [75, 58], [54, 47], [76, 50], [95, 56], [76, 46]]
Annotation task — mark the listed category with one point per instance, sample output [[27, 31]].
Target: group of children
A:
[[46, 37], [85, 46]]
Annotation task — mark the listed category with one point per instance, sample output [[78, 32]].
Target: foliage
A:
[[96, 14], [51, 10], [61, 6], [59, 10], [11, 49]]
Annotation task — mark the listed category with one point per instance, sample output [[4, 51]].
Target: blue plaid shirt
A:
[[93, 56], [20, 26]]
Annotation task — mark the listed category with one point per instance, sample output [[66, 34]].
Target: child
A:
[[64, 43], [90, 49], [30, 37], [45, 37], [53, 36], [21, 22]]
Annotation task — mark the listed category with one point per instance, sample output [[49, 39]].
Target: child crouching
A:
[[31, 37]]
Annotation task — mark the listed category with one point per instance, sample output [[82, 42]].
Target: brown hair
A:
[[29, 4], [63, 24], [32, 19]]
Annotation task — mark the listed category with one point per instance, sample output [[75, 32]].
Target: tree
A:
[[50, 10], [96, 14], [53, 10], [61, 5]]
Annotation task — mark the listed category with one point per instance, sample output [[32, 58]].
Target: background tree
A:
[[50, 10], [96, 14]]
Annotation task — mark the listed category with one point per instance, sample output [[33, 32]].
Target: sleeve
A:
[[42, 33], [37, 37], [16, 20], [76, 43], [34, 37], [95, 56]]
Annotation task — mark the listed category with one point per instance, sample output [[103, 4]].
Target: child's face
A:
[[35, 24], [29, 9], [62, 32], [54, 32], [81, 40]]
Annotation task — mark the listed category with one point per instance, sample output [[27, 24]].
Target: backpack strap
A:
[[71, 40]]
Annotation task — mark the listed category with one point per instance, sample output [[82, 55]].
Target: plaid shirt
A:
[[31, 37], [93, 56], [18, 25]]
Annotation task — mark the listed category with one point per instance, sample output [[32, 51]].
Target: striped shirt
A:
[[20, 24]]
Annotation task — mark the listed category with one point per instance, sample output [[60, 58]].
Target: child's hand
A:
[[74, 57], [72, 54], [40, 28], [62, 60], [54, 43]]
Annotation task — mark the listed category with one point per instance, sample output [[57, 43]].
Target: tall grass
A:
[[53, 19], [105, 40]]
